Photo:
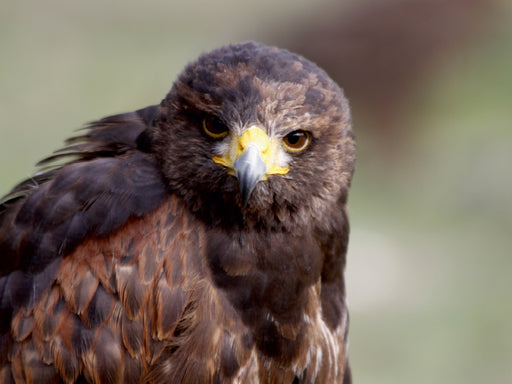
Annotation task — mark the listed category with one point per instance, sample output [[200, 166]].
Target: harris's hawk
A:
[[201, 240]]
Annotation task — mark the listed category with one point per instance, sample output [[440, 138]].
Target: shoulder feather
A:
[[92, 186]]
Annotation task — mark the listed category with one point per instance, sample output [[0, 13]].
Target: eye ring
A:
[[296, 141], [215, 127]]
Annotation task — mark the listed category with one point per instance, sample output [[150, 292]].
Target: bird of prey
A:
[[201, 240]]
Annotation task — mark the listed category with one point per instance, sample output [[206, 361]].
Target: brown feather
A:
[[132, 258]]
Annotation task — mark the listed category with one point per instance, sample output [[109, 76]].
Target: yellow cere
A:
[[254, 136]]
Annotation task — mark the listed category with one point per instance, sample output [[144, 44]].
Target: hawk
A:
[[201, 240]]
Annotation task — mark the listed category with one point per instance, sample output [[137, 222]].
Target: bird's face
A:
[[263, 132], [251, 156]]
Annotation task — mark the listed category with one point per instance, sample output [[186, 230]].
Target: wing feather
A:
[[106, 180], [119, 306], [75, 273]]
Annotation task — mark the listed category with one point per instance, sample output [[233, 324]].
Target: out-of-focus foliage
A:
[[430, 257]]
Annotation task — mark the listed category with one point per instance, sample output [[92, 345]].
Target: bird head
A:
[[251, 131]]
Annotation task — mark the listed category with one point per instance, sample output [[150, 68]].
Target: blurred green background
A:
[[430, 258]]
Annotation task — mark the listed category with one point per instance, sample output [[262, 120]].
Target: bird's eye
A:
[[214, 127], [296, 141]]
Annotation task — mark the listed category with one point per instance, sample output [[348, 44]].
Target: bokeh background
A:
[[430, 82]]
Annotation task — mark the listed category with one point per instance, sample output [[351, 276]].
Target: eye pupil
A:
[[295, 137], [214, 127], [296, 141]]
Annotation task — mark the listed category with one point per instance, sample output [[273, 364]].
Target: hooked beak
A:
[[249, 169], [251, 158]]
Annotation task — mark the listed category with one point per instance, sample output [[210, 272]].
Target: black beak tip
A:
[[249, 169], [246, 188]]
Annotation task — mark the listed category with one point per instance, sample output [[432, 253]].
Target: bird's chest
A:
[[306, 351], [265, 276], [272, 285]]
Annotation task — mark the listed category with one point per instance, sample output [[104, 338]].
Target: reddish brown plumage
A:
[[138, 262]]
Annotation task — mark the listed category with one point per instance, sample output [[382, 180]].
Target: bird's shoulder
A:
[[100, 180]]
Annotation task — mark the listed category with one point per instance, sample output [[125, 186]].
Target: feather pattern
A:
[[130, 258]]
